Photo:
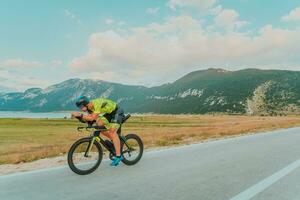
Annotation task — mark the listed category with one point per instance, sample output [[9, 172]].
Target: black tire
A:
[[141, 147], [72, 150]]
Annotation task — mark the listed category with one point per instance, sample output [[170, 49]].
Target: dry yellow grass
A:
[[23, 140]]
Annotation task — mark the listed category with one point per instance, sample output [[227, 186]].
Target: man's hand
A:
[[75, 114]]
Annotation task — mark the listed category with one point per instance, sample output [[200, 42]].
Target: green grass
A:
[[23, 140]]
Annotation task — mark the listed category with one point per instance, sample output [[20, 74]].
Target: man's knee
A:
[[113, 132], [100, 123], [106, 133]]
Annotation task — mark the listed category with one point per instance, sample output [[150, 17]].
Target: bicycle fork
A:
[[89, 148]]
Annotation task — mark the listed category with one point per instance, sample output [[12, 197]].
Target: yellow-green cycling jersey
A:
[[104, 107]]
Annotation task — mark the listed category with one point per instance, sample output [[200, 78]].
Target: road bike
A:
[[86, 154]]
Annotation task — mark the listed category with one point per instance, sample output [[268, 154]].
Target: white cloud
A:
[[20, 74], [56, 63], [19, 63], [215, 10], [163, 52], [173, 25], [19, 82], [72, 16], [4, 75], [69, 14], [294, 15], [121, 23], [109, 21], [152, 11], [228, 19], [200, 4], [28, 82], [142, 44]]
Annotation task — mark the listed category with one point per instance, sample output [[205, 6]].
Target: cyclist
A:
[[106, 113]]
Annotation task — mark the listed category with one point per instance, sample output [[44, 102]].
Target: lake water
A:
[[18, 114]]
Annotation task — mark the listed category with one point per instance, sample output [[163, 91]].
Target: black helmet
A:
[[82, 101]]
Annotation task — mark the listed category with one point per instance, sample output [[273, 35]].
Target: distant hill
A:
[[249, 91]]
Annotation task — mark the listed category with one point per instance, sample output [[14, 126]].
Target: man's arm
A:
[[75, 115], [90, 117]]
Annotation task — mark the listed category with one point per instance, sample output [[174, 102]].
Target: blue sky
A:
[[142, 42]]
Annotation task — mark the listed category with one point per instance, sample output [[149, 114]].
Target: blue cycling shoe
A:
[[116, 161]]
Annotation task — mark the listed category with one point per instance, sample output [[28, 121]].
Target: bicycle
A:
[[86, 154]]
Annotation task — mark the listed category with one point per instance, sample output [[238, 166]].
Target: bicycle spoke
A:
[[131, 152], [83, 159]]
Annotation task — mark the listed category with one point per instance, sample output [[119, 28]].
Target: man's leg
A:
[[105, 133], [113, 135], [112, 132]]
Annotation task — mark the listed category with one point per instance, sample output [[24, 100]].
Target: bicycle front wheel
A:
[[82, 161]]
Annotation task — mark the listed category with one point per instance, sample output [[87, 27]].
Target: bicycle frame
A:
[[96, 137]]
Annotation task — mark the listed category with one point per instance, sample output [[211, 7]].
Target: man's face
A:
[[83, 108]]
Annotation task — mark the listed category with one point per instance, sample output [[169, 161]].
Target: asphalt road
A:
[[257, 167]]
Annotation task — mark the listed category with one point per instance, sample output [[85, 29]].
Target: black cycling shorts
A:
[[116, 116]]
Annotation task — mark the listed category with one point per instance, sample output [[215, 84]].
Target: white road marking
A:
[[267, 182]]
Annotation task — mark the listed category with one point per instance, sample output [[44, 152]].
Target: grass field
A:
[[23, 140]]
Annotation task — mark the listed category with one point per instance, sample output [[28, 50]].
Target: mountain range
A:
[[248, 91]]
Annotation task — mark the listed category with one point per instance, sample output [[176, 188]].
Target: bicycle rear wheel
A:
[[79, 161], [133, 150]]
